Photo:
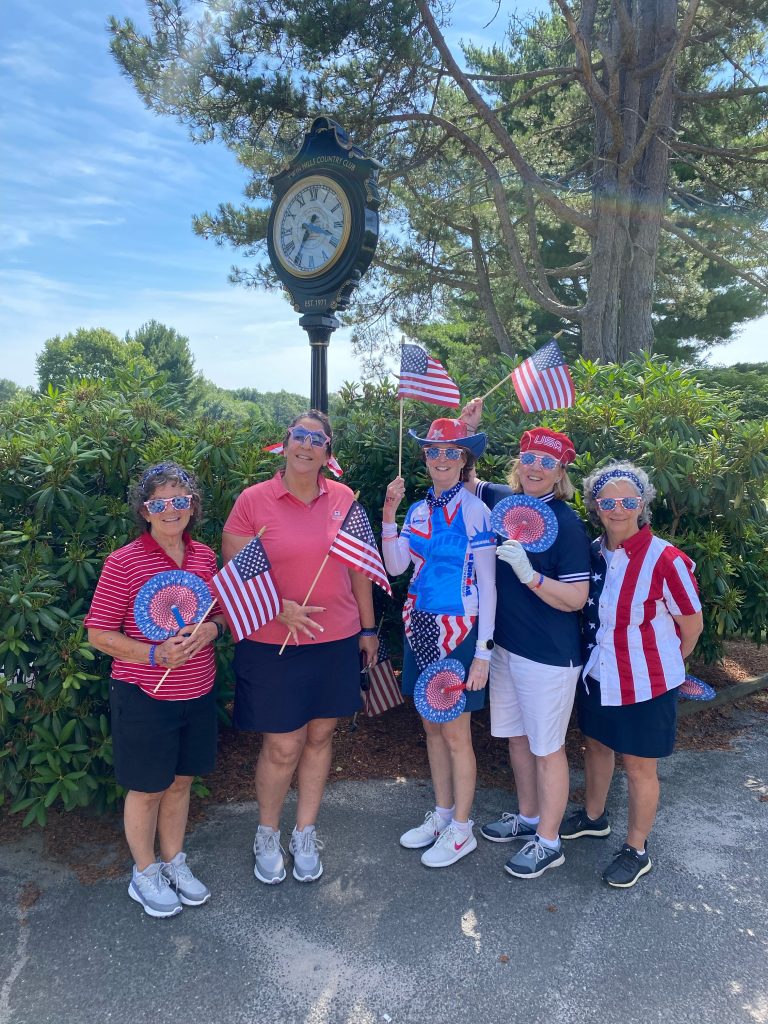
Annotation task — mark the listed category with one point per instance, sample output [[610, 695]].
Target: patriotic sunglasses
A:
[[181, 502], [545, 461], [609, 504], [450, 453], [317, 438]]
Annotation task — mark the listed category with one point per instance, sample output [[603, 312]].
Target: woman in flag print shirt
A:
[[641, 622], [449, 612], [295, 698], [161, 738]]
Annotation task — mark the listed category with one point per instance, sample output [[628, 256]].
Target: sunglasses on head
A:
[[165, 467], [609, 504], [317, 438], [545, 461], [450, 453], [181, 502]]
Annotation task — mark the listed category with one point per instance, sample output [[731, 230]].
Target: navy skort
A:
[[646, 729]]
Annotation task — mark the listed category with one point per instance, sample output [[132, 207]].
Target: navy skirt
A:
[[281, 693], [465, 653], [646, 729]]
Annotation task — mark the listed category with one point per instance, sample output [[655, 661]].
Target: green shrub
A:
[[66, 459]]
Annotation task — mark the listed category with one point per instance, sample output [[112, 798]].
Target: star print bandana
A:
[[444, 498]]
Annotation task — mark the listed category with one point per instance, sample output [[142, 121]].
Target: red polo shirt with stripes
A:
[[632, 641], [124, 574]]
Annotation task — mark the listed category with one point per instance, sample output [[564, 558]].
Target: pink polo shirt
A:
[[297, 539]]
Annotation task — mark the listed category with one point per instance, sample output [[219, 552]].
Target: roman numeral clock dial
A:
[[311, 226]]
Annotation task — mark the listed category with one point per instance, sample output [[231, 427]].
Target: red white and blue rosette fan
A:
[[439, 691], [694, 688], [169, 601], [527, 520]]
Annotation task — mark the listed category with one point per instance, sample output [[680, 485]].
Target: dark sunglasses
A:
[[181, 503], [317, 438], [450, 453], [545, 461], [609, 504]]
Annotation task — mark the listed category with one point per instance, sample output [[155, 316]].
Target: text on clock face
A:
[[312, 227]]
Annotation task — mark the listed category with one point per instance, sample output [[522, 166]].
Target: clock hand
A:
[[316, 228]]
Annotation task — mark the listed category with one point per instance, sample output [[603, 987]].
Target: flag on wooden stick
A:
[[425, 379], [355, 546], [543, 381], [380, 689], [246, 590]]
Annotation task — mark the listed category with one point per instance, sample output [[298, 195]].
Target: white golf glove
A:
[[512, 552]]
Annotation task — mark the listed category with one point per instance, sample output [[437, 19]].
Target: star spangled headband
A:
[[616, 474], [164, 467]]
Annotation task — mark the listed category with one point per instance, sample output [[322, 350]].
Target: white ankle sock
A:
[[550, 844], [529, 821]]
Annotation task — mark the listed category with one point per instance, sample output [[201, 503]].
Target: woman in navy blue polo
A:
[[536, 660]]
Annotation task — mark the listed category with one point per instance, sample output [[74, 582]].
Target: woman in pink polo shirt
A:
[[161, 738], [296, 697]]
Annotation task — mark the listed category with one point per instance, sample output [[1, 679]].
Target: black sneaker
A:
[[580, 824], [626, 867]]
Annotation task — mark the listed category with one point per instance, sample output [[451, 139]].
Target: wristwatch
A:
[[484, 645]]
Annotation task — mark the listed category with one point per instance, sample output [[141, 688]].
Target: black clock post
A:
[[322, 234]]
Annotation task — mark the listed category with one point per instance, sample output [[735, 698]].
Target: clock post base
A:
[[319, 327]]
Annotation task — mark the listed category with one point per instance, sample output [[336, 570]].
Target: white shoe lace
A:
[[432, 823], [308, 843], [154, 883], [538, 850], [268, 843]]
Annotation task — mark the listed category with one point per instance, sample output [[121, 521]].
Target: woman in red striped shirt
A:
[[642, 620], [161, 738]]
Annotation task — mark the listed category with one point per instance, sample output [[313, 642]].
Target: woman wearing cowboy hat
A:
[[536, 660], [449, 612]]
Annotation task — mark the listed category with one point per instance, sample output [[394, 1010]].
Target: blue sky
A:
[[96, 200]]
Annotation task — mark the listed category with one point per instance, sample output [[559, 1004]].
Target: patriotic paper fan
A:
[[439, 691], [525, 519], [169, 601], [695, 689]]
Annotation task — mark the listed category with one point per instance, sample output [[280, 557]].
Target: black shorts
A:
[[282, 692], [153, 741], [646, 729]]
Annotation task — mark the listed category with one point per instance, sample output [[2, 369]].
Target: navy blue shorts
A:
[[465, 653], [282, 692], [153, 741], [646, 729]]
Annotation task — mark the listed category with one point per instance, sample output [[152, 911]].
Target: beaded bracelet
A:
[[369, 632], [152, 650]]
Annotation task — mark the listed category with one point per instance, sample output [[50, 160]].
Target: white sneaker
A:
[[269, 867], [424, 834], [150, 888], [304, 846], [451, 846], [189, 889]]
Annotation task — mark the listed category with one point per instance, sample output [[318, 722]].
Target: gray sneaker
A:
[[269, 867], [304, 845], [507, 828], [533, 860], [151, 889], [189, 889]]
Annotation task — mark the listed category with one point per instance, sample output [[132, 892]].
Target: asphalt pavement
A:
[[382, 939]]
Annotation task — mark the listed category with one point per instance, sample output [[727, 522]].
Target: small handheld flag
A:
[[380, 689], [425, 379], [355, 546], [543, 381], [246, 590]]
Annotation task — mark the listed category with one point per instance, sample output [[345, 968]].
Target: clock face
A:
[[311, 226]]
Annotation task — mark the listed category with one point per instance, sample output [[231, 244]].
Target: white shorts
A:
[[531, 699]]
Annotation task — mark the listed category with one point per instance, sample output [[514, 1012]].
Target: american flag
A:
[[277, 449], [425, 378], [246, 590], [355, 546], [543, 381], [380, 689]]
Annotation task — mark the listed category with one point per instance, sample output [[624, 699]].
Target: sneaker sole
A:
[[456, 857], [506, 839], [628, 885], [590, 833], [536, 874], [189, 902], [270, 881], [307, 878], [151, 910]]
